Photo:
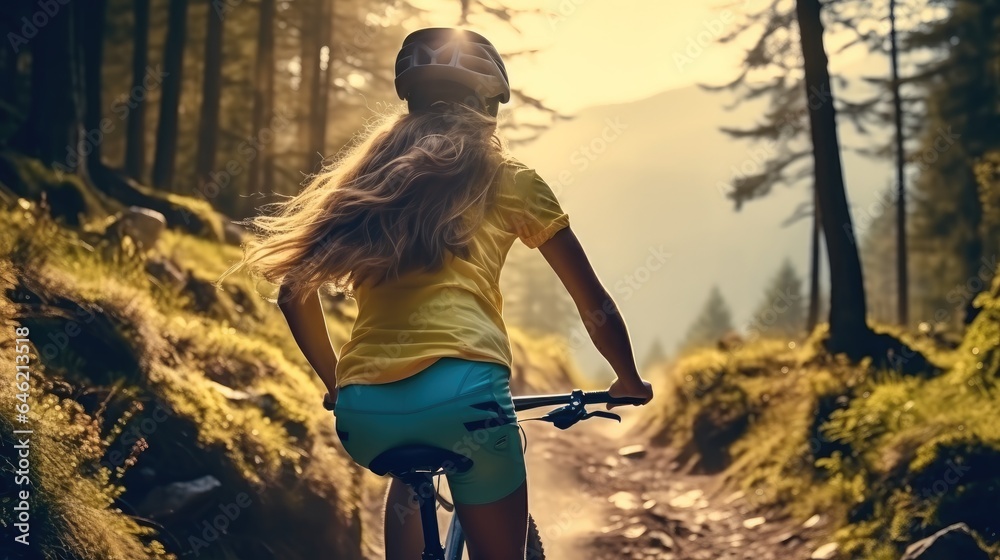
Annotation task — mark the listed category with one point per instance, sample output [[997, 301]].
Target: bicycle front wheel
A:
[[534, 549]]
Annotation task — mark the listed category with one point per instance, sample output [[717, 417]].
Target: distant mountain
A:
[[649, 176]]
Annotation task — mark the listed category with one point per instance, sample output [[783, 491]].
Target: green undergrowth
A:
[[71, 499], [889, 458], [240, 404], [78, 203]]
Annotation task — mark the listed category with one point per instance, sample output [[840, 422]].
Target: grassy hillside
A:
[[159, 406], [889, 459]]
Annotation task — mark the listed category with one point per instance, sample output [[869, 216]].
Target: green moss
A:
[[243, 403], [66, 193], [891, 458], [185, 206]]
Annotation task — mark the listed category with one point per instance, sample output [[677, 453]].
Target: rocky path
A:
[[598, 494]]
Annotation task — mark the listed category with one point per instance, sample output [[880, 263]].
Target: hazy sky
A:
[[603, 51], [595, 52]]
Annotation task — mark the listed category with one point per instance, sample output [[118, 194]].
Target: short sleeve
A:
[[530, 209]]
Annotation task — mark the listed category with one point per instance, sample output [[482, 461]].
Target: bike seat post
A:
[[423, 484]]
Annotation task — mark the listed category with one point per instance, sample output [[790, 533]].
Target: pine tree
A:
[[878, 253], [713, 322], [988, 177], [165, 160], [961, 125], [781, 314], [135, 139], [800, 127]]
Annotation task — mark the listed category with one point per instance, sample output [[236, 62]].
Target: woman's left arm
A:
[[308, 326]]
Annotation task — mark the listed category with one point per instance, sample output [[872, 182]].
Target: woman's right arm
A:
[[598, 310]]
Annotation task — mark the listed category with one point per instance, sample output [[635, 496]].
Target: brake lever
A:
[[603, 414]]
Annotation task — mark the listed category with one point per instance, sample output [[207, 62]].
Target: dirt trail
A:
[[592, 502]]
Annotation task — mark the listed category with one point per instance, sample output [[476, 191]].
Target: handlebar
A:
[[574, 406], [574, 402], [577, 398]]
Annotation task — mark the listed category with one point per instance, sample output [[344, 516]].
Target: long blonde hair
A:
[[415, 186]]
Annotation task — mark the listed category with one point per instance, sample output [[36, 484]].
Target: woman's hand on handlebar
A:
[[641, 389], [330, 399]]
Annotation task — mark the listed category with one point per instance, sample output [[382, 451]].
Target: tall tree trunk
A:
[[814, 268], [135, 133], [311, 75], [261, 166], [902, 278], [53, 130], [92, 42], [166, 133], [324, 82], [849, 331], [208, 127]]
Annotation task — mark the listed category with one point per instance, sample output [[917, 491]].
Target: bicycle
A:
[[418, 465]]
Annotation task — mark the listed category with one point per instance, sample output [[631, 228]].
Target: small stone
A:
[[733, 497], [648, 504], [662, 540], [825, 552], [634, 451], [613, 527], [812, 521], [634, 532], [754, 522], [687, 499], [624, 500], [611, 461], [783, 538], [168, 500], [717, 515]]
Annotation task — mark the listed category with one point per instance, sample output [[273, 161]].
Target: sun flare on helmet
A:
[[444, 63]]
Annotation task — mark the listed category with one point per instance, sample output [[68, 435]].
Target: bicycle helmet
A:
[[446, 63]]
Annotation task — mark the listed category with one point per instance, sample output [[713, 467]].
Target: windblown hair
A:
[[414, 187]]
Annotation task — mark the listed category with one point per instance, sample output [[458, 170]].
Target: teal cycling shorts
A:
[[457, 404]]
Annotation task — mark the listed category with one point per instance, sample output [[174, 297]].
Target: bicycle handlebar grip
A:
[[602, 397]]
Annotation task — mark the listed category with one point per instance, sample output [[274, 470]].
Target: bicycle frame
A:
[[572, 411]]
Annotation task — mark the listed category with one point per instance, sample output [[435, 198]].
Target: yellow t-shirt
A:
[[404, 325]]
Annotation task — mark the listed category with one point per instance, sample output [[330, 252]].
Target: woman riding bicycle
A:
[[415, 223]]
